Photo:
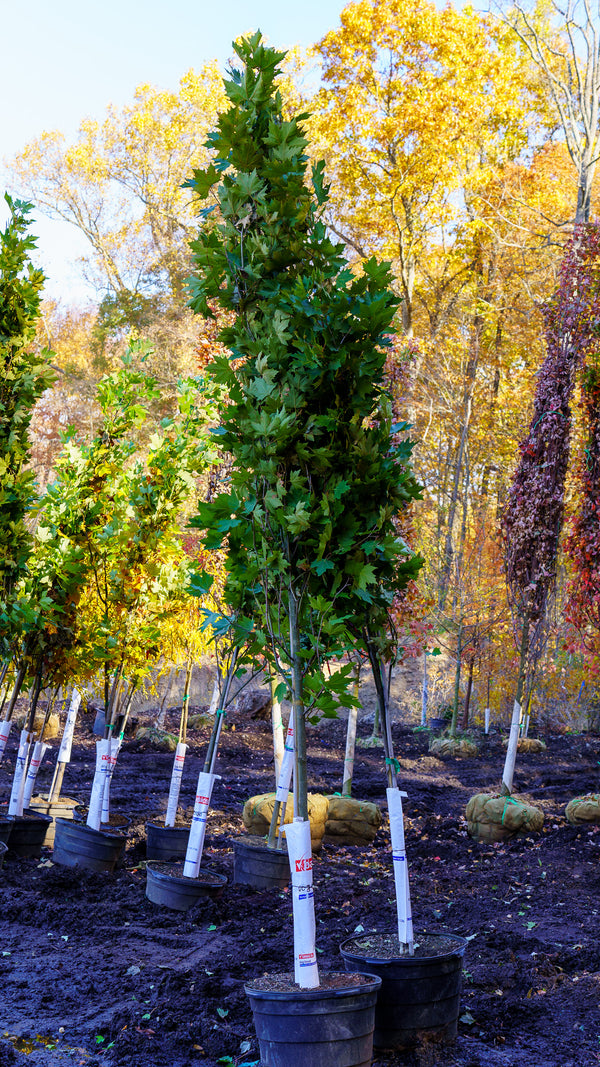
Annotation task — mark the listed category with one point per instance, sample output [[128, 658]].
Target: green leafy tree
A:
[[133, 546], [316, 482], [25, 373]]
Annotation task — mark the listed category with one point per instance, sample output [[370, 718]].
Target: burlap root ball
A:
[[351, 822], [197, 722], [528, 744], [492, 817], [258, 811], [159, 740], [584, 809], [452, 747], [52, 726]]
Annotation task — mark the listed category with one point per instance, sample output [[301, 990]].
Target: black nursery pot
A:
[[3, 849], [166, 842], [79, 845], [331, 1026], [6, 823], [419, 1000], [255, 864], [28, 833], [167, 885], [437, 724]]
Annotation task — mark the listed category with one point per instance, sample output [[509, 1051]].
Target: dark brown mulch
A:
[[92, 973]]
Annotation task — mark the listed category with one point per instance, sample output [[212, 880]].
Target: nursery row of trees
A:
[[449, 152], [94, 569]]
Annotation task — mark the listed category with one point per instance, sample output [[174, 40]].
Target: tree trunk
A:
[[350, 746], [465, 718], [425, 693], [300, 762], [454, 722], [277, 728], [513, 740]]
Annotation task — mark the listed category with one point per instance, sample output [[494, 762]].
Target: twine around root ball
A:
[[585, 809], [493, 817]]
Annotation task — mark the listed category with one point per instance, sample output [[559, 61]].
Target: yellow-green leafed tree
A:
[[416, 101]]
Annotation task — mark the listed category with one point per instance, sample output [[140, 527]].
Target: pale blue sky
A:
[[65, 60]]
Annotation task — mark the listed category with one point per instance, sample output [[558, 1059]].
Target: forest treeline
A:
[[448, 151]]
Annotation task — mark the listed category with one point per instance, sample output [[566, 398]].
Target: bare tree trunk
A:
[[465, 718]]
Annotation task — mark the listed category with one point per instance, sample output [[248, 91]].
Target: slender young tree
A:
[[316, 478], [25, 374]]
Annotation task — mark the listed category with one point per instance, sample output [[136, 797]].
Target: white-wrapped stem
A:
[[66, 744], [15, 804], [306, 971], [214, 700], [511, 752], [5, 726], [348, 772], [102, 762], [193, 856], [277, 728], [401, 879], [115, 744], [287, 765], [37, 756], [175, 787], [486, 715]]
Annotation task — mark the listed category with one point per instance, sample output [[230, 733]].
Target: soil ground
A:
[[94, 974]]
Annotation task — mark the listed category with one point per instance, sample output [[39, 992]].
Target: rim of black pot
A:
[[32, 813], [75, 825], [219, 879], [367, 957], [257, 842], [161, 825], [320, 991]]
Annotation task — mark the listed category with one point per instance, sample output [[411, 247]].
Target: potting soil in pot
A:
[[167, 885]]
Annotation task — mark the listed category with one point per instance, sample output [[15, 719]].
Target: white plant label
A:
[[405, 923], [306, 970], [115, 744], [287, 766], [39, 749], [193, 856], [5, 726], [175, 787], [102, 761], [15, 806], [64, 752]]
